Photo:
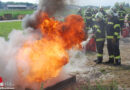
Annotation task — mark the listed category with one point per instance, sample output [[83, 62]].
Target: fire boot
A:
[[117, 62], [99, 60], [110, 61]]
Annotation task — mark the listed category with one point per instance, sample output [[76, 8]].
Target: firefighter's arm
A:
[[93, 29], [125, 12], [117, 29], [96, 29]]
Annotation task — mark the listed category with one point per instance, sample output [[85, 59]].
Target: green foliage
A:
[[124, 4], [128, 10], [117, 5], [103, 71], [7, 27], [114, 85]]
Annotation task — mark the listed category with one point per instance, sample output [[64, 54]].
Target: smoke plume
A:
[[51, 7], [8, 52]]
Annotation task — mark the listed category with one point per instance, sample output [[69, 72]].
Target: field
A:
[[7, 27], [15, 13]]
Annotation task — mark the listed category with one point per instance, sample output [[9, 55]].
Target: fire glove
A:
[[84, 43], [114, 40], [90, 31]]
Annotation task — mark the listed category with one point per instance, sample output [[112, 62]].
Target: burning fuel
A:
[[47, 56]]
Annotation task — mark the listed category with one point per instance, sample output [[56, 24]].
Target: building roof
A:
[[9, 6]]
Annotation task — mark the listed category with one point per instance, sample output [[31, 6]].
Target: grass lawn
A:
[[7, 27], [15, 13]]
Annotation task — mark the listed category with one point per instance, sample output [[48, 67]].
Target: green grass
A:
[[15, 13], [7, 27], [99, 86]]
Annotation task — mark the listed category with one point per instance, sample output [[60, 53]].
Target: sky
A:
[[81, 2]]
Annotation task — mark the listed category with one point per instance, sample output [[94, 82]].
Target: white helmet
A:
[[110, 12], [99, 15], [113, 9]]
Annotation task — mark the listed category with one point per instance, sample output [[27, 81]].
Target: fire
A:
[[46, 57]]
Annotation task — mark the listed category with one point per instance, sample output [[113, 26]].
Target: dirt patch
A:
[[106, 74]]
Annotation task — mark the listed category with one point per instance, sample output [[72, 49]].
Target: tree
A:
[[117, 5], [127, 5], [123, 4], [0, 5]]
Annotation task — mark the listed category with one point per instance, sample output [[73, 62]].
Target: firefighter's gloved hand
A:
[[127, 25], [114, 40], [90, 31], [84, 43]]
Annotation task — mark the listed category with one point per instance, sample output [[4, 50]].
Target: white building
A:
[[16, 7]]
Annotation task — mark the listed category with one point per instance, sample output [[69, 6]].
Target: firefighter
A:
[[95, 11], [117, 30], [128, 19], [122, 14], [110, 33], [89, 10], [94, 14], [102, 11], [88, 19], [99, 32], [80, 12], [113, 36], [115, 11]]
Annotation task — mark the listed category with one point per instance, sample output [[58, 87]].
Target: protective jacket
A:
[[88, 20], [99, 31], [122, 14]]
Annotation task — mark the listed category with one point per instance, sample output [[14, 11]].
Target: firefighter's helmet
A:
[[110, 12], [114, 11], [87, 13], [89, 9], [99, 15]]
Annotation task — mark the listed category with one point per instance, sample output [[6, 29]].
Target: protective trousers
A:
[[110, 47], [116, 50], [100, 46]]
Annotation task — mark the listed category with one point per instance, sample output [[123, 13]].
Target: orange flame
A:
[[46, 57]]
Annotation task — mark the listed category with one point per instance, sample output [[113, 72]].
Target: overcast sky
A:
[[80, 2]]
